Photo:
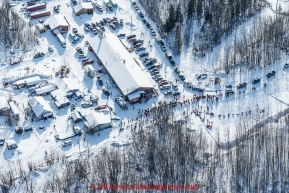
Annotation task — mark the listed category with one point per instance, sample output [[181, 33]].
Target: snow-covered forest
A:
[[166, 151]]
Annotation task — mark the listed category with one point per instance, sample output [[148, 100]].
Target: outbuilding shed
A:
[[32, 81], [40, 14], [15, 110], [76, 117], [36, 7], [83, 8]]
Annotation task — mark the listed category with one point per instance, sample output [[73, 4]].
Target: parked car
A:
[[177, 70], [163, 48], [76, 39], [140, 49], [138, 42], [242, 85], [109, 6], [121, 35], [176, 93], [98, 7], [154, 71], [143, 54], [188, 84], [269, 74], [121, 22], [164, 82], [100, 82], [86, 62], [164, 87], [137, 45], [78, 48], [81, 55], [130, 37], [168, 92], [66, 143], [286, 65], [229, 86], [144, 21], [172, 62], [112, 26], [182, 77], [153, 32], [105, 91], [11, 144], [148, 25], [74, 30], [51, 49], [15, 62], [120, 102], [256, 80], [175, 86], [199, 89], [152, 67], [38, 55], [100, 107]]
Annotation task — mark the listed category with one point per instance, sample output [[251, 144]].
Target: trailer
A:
[[40, 14], [36, 7], [15, 110]]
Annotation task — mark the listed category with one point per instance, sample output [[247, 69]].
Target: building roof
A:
[[3, 104], [29, 81], [82, 5], [95, 119], [75, 116], [55, 21], [69, 84], [44, 90], [120, 64], [14, 108], [39, 106], [88, 68], [35, 6], [134, 95]]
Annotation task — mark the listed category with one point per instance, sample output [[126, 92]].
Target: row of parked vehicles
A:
[[255, 81]]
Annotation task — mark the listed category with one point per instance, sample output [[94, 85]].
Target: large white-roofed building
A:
[[122, 68]]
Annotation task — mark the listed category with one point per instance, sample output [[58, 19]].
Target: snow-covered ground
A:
[[32, 145]]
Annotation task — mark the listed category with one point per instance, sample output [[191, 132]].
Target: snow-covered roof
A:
[[134, 95], [58, 93], [55, 21], [95, 119], [37, 5], [88, 68], [82, 5], [70, 85], [29, 81], [75, 116], [39, 106], [119, 64], [3, 104], [14, 108], [44, 90]]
